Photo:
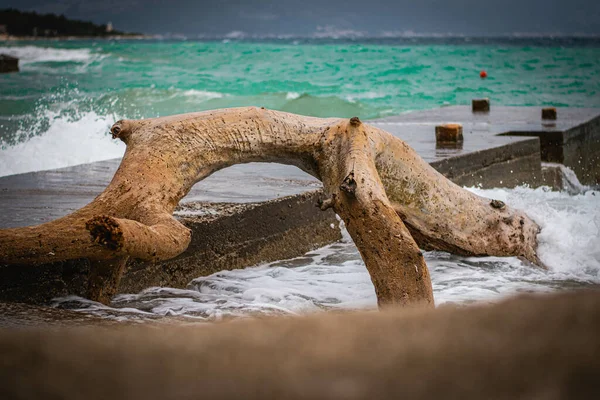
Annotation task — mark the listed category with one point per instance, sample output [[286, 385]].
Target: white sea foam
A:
[[67, 142], [569, 243], [353, 98], [570, 182], [236, 35], [334, 277], [33, 54], [413, 34], [292, 95], [332, 32], [203, 94]]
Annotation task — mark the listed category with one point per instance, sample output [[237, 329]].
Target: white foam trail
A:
[[569, 243], [292, 95], [236, 35], [570, 182], [353, 98], [67, 142], [332, 32], [33, 54], [203, 94]]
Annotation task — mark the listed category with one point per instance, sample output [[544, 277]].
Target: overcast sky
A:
[[304, 17]]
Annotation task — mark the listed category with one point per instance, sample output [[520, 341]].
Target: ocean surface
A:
[[57, 111]]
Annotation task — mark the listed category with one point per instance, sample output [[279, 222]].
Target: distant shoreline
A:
[[12, 38], [267, 38]]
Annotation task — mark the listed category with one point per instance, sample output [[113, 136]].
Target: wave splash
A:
[[66, 142], [35, 54], [70, 127], [334, 277], [570, 228]]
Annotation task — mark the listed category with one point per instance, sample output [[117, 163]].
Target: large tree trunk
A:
[[390, 199]]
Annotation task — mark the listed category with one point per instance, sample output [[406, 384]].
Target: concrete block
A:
[[510, 165]]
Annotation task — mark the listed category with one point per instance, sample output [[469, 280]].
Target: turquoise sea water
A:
[[78, 88]]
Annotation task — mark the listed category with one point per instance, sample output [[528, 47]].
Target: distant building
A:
[[109, 27], [3, 30]]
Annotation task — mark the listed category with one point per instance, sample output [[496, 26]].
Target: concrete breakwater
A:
[[495, 152]]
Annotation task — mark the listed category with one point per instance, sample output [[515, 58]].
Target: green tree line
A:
[[20, 23]]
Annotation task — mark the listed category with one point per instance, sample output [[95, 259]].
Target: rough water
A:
[[57, 110], [335, 278]]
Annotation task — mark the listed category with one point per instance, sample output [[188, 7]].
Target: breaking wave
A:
[[35, 54], [334, 277], [69, 128], [66, 142], [203, 94]]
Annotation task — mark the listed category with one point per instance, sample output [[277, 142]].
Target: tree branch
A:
[[387, 195]]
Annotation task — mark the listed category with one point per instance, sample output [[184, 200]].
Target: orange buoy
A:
[[483, 74]]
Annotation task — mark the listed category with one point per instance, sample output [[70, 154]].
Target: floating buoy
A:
[[483, 74]]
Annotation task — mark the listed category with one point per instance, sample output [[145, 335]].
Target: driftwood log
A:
[[392, 202]]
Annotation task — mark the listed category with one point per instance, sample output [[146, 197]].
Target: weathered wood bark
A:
[[390, 199]]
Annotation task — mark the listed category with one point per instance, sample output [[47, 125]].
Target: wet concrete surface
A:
[[38, 197], [500, 126], [497, 151]]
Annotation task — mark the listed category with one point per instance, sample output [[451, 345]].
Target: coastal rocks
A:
[[8, 63]]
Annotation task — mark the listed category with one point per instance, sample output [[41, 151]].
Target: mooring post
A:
[[481, 105], [549, 113], [448, 133]]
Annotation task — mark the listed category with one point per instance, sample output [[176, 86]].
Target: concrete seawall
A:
[[503, 147], [230, 236], [225, 236], [254, 213]]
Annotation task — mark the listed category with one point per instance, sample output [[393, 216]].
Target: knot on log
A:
[[354, 121], [115, 130], [327, 203], [497, 204], [121, 130], [349, 184], [106, 232]]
